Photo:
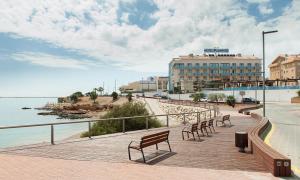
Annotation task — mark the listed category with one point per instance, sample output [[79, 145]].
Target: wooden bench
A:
[[149, 140], [203, 126], [224, 118], [211, 125], [190, 130]]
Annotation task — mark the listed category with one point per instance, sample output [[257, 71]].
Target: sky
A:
[[56, 47]]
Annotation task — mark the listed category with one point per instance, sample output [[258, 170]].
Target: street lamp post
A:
[[264, 71]]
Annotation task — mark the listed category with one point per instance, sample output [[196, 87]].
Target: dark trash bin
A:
[[241, 140]]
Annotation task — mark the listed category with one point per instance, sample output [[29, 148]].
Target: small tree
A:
[[93, 96], [114, 96], [230, 101], [74, 98], [100, 90], [198, 96], [298, 92], [129, 96], [78, 94], [213, 97], [216, 97], [220, 96]]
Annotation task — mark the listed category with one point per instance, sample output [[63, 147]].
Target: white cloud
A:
[[48, 60], [258, 1], [265, 9], [194, 25]]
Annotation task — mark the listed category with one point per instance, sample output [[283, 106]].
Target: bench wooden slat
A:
[[156, 141], [163, 136], [156, 134]]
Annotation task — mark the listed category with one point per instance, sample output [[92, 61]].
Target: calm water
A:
[[12, 114]]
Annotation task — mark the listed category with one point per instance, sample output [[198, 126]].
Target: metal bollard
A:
[[52, 135], [90, 130], [147, 123], [123, 125], [183, 118], [167, 120]]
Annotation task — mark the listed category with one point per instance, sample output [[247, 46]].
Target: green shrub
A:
[[216, 97], [78, 94], [114, 96], [230, 101], [298, 92], [197, 96], [128, 109], [129, 96], [74, 98]]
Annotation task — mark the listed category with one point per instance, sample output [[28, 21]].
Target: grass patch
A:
[[126, 110]]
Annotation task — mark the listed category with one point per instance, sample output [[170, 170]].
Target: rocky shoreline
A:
[[74, 111]]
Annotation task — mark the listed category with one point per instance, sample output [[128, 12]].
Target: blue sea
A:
[[11, 113]]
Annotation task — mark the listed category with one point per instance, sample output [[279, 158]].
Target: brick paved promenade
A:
[[216, 152]]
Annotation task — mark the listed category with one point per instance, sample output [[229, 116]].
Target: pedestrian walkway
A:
[[28, 168], [214, 152]]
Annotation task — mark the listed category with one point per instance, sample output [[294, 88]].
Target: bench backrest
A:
[[211, 122], [226, 117], [203, 124], [154, 138], [194, 127]]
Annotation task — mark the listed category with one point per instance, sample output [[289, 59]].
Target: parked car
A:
[[250, 101], [203, 99], [156, 95], [164, 97]]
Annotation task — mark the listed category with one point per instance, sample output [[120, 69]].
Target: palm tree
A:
[[100, 89]]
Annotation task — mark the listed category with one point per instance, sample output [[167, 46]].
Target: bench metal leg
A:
[[206, 131], [182, 135], [193, 136], [129, 156], [214, 128], [143, 155], [198, 134], [209, 129], [169, 145], [156, 147], [202, 131]]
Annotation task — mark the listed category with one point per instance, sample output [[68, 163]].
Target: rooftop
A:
[[214, 57]]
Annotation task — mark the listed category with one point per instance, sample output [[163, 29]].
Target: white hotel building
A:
[[191, 72]]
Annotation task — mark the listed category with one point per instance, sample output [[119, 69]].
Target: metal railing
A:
[[188, 103], [123, 119]]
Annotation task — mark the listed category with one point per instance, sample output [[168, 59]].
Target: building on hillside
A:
[[192, 72], [286, 69], [162, 83], [157, 83]]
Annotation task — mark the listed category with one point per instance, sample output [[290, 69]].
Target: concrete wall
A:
[[283, 95]]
